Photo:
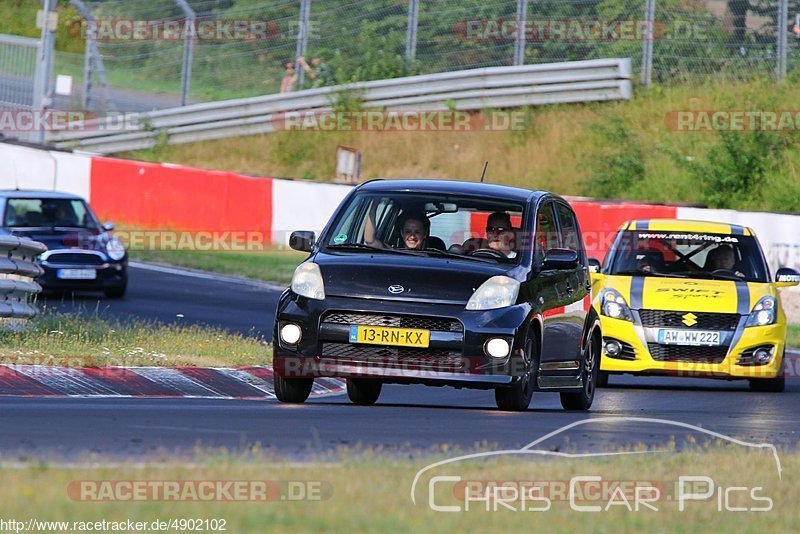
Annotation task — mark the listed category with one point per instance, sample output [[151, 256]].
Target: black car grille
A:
[[705, 321], [71, 258], [398, 321], [678, 353], [405, 357]]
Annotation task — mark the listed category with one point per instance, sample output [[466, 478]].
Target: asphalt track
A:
[[407, 419]]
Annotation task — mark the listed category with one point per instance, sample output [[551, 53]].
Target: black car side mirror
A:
[[302, 241], [561, 259], [594, 265]]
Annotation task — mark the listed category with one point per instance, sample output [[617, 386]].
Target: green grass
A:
[[272, 265], [793, 336], [61, 339], [369, 492]]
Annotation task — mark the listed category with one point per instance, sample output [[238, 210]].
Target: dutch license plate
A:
[[381, 335], [696, 338], [76, 274]]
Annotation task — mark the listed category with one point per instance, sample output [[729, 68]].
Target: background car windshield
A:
[[658, 254], [455, 222], [48, 212]]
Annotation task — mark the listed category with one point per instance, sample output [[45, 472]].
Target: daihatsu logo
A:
[[396, 289]]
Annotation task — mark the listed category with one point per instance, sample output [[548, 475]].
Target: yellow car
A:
[[691, 298]]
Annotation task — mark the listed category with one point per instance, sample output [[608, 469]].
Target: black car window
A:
[[38, 212], [546, 231], [570, 232]]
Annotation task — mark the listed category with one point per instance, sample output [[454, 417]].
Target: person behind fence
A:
[[289, 79], [319, 73]]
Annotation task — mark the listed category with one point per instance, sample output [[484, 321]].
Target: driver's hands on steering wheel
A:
[[489, 251]]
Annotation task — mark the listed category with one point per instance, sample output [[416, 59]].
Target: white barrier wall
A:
[[778, 234], [300, 205], [30, 168]]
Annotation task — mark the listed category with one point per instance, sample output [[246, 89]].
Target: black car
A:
[[81, 253], [510, 310]]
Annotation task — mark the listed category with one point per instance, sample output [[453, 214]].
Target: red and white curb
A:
[[190, 382]]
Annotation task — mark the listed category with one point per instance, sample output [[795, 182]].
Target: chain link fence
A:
[[203, 50]]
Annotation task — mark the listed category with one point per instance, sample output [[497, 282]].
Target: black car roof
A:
[[452, 187], [33, 193]]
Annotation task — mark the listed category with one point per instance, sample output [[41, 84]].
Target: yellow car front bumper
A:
[[644, 363]]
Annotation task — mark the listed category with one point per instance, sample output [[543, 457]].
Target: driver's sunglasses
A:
[[497, 229]]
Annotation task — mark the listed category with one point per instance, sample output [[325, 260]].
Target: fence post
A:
[[783, 23], [302, 40], [44, 64], [647, 54], [519, 43], [189, 33], [411, 33]]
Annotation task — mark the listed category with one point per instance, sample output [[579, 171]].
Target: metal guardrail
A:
[[489, 88], [18, 269]]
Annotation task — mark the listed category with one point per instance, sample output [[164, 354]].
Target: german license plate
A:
[[76, 274], [697, 338], [381, 335]]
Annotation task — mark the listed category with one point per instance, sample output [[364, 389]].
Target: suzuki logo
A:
[[690, 319], [396, 289]]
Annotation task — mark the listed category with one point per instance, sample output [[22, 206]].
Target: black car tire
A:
[[293, 390], [582, 400], [363, 391], [770, 385], [518, 397], [602, 379], [116, 292]]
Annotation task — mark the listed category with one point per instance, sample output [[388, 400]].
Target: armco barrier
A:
[[475, 89], [18, 269]]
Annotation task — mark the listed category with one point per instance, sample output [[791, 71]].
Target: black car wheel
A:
[[362, 391], [517, 398], [591, 370], [293, 390], [116, 292], [770, 385]]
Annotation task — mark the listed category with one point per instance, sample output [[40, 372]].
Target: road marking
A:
[[202, 275]]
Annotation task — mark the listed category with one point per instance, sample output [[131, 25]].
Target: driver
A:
[[500, 233], [723, 258]]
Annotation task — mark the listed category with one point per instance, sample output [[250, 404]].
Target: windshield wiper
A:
[[446, 254], [370, 248]]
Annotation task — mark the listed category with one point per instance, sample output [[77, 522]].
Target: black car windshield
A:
[[434, 225], [692, 255], [48, 212]]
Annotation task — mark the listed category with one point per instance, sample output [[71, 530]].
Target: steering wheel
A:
[[728, 272], [488, 252]]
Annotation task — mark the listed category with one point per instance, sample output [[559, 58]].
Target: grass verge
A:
[[271, 265], [61, 339], [372, 493]]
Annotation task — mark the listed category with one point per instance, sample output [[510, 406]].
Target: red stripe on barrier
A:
[[14, 383], [125, 382], [153, 195]]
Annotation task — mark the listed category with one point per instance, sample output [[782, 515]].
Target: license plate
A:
[[697, 338], [381, 335], [76, 274]]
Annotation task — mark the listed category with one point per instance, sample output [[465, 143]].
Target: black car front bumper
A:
[[109, 276], [455, 355]]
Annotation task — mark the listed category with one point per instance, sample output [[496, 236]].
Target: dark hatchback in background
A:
[[81, 253], [365, 307]]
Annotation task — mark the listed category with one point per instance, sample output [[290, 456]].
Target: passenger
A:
[[414, 229]]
